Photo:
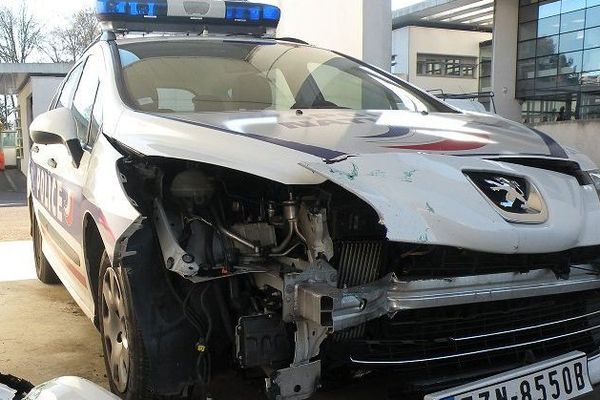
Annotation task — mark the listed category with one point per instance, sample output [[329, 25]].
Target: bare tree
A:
[[65, 44], [7, 107], [20, 34]]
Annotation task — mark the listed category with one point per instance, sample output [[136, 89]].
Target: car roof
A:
[[220, 38]]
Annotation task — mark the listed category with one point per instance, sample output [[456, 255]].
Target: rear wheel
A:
[[43, 269]]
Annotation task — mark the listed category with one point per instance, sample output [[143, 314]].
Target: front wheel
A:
[[121, 341]]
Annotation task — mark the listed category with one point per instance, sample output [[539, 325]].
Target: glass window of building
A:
[[572, 5], [548, 26], [573, 21], [549, 9], [527, 49], [545, 83], [547, 45], [485, 70], [546, 66], [526, 69], [453, 67], [571, 41], [529, 13], [528, 30], [446, 65], [591, 60], [570, 63], [590, 81], [592, 17], [592, 38]]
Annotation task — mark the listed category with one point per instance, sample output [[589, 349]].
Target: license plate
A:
[[564, 377]]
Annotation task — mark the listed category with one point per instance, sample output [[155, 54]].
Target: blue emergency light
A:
[[132, 15]]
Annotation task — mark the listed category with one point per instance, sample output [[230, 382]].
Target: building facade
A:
[[438, 59], [558, 60]]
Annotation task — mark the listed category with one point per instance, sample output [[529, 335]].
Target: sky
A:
[[51, 13], [54, 13]]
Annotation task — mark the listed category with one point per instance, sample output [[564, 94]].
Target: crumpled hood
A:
[[332, 133], [428, 199]]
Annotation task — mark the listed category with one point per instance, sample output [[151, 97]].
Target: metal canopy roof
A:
[[465, 14], [13, 76]]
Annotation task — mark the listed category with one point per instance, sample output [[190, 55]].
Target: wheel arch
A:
[[93, 248]]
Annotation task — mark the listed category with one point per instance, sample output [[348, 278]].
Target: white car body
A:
[[410, 167]]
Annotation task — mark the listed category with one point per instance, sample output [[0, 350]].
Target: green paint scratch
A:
[[348, 175], [377, 172], [409, 175], [429, 208]]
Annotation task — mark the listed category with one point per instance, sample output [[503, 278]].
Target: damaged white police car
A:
[[219, 199]]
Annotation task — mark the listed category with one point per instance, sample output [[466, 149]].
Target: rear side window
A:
[[85, 95], [66, 94]]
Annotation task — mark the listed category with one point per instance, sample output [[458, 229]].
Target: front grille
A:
[[433, 349], [441, 262]]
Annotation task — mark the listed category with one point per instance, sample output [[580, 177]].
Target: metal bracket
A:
[[177, 259], [309, 337], [318, 273], [294, 383]]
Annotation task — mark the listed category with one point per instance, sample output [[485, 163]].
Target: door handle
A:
[[52, 163], [35, 149]]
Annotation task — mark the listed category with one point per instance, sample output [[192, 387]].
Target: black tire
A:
[[43, 269], [126, 335]]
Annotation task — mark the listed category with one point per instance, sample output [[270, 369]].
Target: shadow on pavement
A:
[[13, 188]]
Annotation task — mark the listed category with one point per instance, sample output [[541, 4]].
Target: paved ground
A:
[[14, 217], [44, 334]]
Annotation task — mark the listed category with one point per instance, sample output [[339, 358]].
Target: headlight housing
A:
[[595, 179]]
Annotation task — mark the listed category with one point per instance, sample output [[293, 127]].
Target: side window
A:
[[66, 94], [96, 123], [84, 97]]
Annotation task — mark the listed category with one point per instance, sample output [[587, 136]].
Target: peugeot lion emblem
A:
[[512, 189], [515, 198]]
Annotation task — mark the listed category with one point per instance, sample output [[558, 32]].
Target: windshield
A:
[[186, 76]]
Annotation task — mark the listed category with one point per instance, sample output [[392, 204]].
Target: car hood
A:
[[333, 133], [272, 144]]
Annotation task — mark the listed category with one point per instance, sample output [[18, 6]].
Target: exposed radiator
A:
[[359, 263]]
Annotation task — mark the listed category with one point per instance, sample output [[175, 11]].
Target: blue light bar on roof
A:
[[188, 12], [132, 8]]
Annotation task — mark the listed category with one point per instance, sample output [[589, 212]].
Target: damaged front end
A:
[[306, 278]]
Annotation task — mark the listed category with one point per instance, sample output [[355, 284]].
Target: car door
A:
[[58, 175]]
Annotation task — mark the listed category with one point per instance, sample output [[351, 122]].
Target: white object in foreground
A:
[[70, 388]]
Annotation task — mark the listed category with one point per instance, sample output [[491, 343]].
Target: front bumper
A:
[[594, 369], [344, 308]]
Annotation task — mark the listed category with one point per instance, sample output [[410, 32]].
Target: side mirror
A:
[[57, 127]]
